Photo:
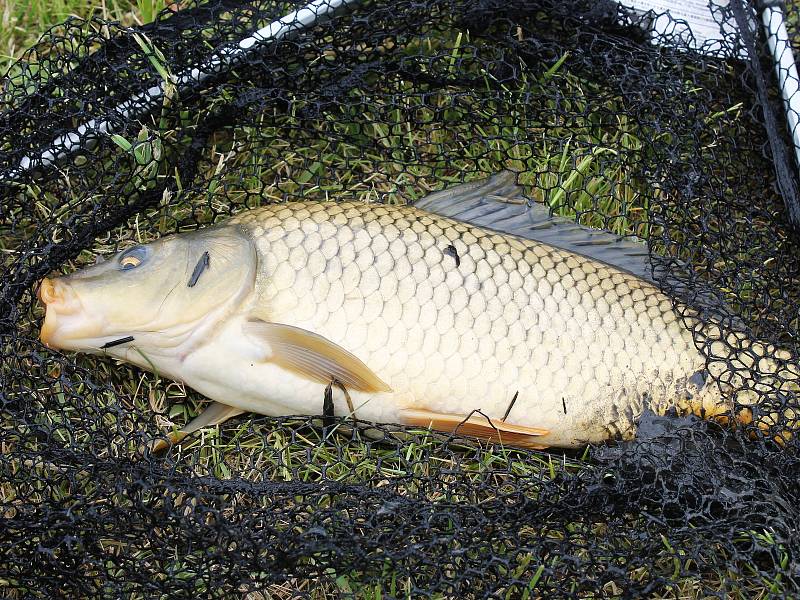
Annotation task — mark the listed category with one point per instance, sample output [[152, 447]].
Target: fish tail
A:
[[768, 390], [750, 384]]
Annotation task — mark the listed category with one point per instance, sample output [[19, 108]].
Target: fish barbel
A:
[[419, 315]]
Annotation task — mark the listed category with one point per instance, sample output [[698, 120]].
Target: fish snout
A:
[[56, 295], [64, 316]]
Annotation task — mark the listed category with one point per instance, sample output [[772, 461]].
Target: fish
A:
[[469, 311]]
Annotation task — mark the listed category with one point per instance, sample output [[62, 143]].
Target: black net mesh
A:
[[384, 102]]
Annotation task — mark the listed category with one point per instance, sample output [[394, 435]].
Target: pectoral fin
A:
[[314, 356], [215, 414], [477, 425]]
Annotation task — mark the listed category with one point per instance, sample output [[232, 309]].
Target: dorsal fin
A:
[[497, 203]]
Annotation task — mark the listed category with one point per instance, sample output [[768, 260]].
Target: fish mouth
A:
[[66, 325]]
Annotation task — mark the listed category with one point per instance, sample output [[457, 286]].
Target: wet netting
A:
[[113, 135]]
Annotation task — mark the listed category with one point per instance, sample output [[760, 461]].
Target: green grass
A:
[[23, 21], [568, 175]]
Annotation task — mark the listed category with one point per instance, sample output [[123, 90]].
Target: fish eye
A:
[[132, 258]]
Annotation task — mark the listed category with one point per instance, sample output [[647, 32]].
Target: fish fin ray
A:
[[315, 356], [476, 425], [216, 414], [498, 203]]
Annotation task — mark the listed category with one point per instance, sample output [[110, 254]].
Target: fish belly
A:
[[231, 369], [457, 318]]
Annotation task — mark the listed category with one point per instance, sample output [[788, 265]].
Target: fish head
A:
[[158, 293]]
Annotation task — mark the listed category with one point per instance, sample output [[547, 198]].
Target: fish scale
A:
[[513, 316]]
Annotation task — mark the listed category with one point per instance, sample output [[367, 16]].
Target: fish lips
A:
[[67, 326]]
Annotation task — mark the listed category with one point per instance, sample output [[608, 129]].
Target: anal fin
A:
[[215, 414], [477, 425]]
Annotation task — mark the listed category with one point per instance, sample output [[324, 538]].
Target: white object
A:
[[693, 21], [786, 70]]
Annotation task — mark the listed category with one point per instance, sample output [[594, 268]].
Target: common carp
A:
[[466, 311]]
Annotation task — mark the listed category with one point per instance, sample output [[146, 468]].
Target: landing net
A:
[[385, 102]]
